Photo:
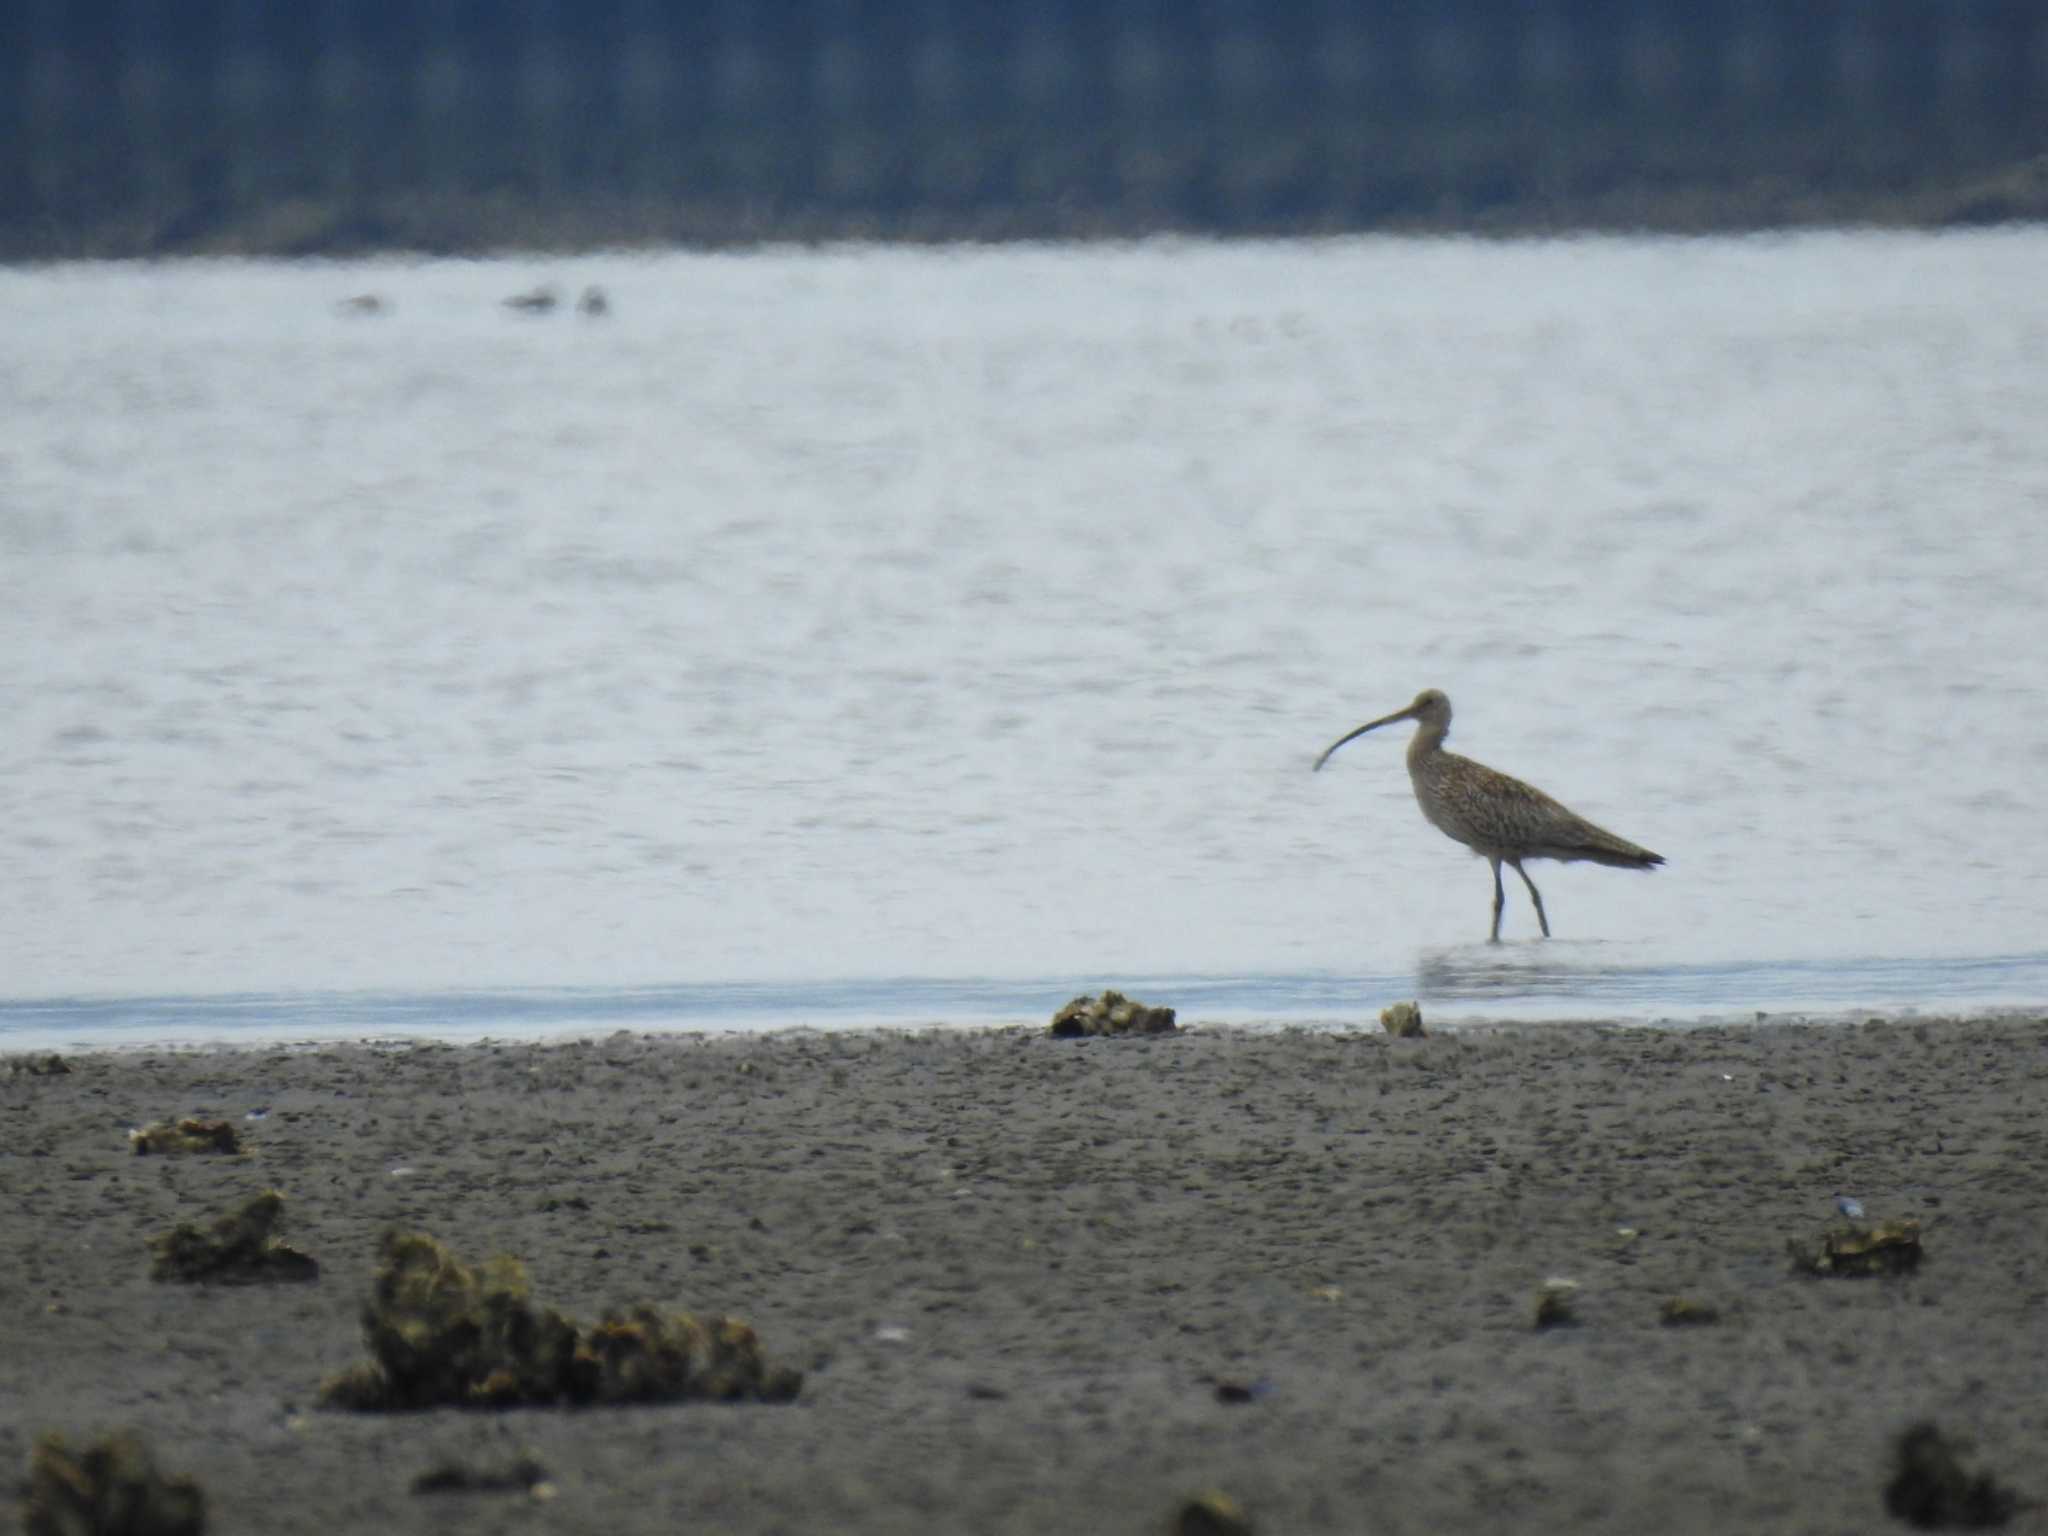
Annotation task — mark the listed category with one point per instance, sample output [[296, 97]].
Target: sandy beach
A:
[[1045, 1285]]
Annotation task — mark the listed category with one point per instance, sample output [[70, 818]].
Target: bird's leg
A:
[[1534, 894], [1500, 899]]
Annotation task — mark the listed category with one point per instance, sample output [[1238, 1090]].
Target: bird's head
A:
[[1431, 709]]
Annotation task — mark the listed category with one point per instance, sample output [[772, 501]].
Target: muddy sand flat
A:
[[1015, 1271]]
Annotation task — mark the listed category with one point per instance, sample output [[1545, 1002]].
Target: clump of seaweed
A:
[[442, 1333], [112, 1489], [1688, 1312], [1213, 1513], [1112, 1014], [186, 1136], [1932, 1490], [50, 1065], [1403, 1021], [1857, 1248], [237, 1249]]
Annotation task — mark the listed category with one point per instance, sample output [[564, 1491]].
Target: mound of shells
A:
[[1112, 1014], [443, 1333]]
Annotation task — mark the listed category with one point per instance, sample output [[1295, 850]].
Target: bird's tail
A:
[[1616, 853]]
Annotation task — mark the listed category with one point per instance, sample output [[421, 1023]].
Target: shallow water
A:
[[914, 634]]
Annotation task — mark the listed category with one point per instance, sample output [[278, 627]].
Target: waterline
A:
[[1456, 985]]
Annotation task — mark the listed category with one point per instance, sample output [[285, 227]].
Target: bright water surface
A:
[[906, 635]]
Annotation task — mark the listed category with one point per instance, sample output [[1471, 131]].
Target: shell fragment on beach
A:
[[1930, 1488], [189, 1135], [237, 1248], [49, 1064], [1557, 1303], [444, 1334], [1857, 1248], [1213, 1513], [1403, 1021], [523, 1474], [1112, 1014], [1687, 1312], [112, 1486]]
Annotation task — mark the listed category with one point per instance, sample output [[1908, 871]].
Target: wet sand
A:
[[1015, 1269]]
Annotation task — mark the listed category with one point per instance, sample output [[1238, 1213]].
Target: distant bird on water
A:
[[1503, 820]]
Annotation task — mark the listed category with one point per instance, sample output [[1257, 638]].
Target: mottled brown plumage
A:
[[1503, 820]]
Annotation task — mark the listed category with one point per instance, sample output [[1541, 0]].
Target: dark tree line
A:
[[326, 123]]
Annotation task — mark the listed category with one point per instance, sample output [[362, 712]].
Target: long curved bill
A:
[[1370, 725]]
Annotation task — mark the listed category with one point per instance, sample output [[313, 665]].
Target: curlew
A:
[[1501, 819]]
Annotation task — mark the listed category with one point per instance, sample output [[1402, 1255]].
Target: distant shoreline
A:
[[486, 224]]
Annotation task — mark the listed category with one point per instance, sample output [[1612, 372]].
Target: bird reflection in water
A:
[[1447, 974]]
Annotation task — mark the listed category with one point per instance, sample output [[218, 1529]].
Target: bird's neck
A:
[[1427, 741]]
